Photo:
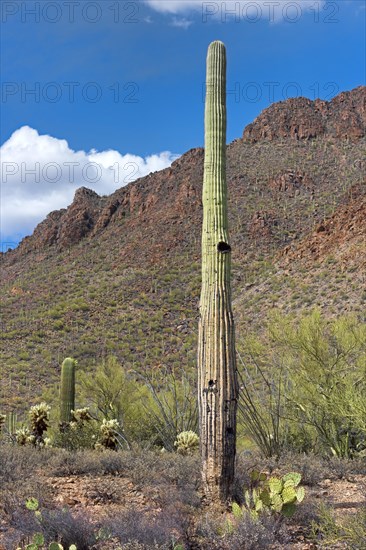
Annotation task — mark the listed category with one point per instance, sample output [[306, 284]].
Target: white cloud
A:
[[174, 6], [249, 10], [181, 22], [40, 173]]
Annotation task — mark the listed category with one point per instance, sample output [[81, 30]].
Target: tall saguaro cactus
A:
[[217, 378], [67, 390]]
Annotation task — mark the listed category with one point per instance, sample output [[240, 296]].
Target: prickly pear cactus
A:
[[274, 494]]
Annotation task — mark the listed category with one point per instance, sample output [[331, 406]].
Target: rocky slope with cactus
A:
[[120, 275]]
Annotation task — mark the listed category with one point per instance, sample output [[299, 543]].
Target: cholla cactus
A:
[[22, 436], [109, 432], [187, 442], [81, 415], [39, 418]]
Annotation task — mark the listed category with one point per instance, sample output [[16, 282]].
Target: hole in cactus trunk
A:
[[224, 248], [230, 430], [211, 383]]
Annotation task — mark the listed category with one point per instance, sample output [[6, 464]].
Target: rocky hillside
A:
[[121, 274], [344, 117]]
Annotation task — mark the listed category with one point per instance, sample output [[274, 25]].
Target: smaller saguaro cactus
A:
[[11, 422], [67, 390], [2, 421]]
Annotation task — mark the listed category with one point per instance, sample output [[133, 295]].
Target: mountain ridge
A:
[[344, 117], [120, 274]]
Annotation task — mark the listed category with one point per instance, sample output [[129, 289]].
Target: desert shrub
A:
[[173, 475], [67, 463], [264, 382], [19, 480], [305, 515], [114, 463], [21, 527], [215, 533], [81, 433], [328, 364], [329, 531], [303, 385], [142, 467], [85, 432], [18, 464], [112, 393], [13, 496], [312, 468], [68, 528], [172, 407], [343, 468], [155, 468], [55, 525], [150, 528]]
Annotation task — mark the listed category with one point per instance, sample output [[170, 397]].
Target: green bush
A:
[[303, 385], [172, 407], [110, 392], [80, 433]]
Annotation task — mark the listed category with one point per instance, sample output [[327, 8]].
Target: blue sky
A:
[[120, 83]]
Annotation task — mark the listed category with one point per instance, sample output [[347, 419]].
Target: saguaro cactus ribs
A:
[[217, 380], [67, 390]]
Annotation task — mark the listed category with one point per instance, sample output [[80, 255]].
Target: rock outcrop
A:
[[302, 119], [67, 226], [168, 202]]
